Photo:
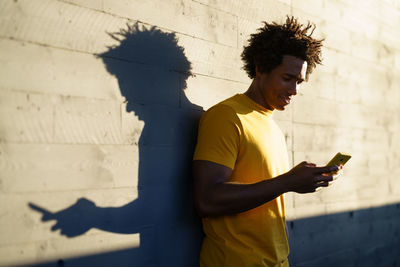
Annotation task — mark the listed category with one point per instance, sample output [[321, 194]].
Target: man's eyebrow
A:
[[294, 76]]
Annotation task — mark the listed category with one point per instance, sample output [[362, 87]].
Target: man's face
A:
[[280, 84]]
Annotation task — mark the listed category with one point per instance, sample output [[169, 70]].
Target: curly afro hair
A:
[[270, 43]]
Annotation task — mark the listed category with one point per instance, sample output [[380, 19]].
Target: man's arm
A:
[[215, 196]]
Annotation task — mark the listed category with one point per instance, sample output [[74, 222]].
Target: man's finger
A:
[[336, 175], [325, 169], [320, 186], [307, 164], [323, 184], [322, 179]]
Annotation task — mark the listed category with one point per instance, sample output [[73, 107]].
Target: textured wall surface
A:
[[99, 102]]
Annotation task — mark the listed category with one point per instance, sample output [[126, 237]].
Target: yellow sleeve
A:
[[219, 136]]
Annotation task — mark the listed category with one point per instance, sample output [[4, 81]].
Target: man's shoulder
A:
[[233, 101], [234, 104], [223, 112]]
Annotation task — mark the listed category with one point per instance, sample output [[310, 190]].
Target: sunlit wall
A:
[[99, 102]]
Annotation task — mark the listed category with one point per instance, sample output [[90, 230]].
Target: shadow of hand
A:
[[72, 221]]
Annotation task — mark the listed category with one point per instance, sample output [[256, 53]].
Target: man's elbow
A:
[[204, 208]]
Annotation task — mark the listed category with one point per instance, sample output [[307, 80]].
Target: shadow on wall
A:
[[361, 238], [151, 69]]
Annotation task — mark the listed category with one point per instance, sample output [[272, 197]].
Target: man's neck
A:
[[254, 93]]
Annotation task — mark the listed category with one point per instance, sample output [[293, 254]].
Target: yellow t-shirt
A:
[[240, 134]]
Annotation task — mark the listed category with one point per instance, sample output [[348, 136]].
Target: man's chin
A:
[[280, 108]]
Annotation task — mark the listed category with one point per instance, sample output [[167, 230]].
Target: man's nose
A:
[[293, 88]]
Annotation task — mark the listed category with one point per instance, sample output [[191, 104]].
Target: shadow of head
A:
[[150, 66]]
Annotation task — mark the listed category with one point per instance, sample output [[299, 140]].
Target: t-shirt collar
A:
[[256, 106]]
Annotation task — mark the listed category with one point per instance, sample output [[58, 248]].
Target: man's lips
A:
[[286, 99]]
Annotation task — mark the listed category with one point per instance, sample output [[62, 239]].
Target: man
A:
[[240, 166]]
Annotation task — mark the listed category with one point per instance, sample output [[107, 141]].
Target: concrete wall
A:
[[99, 104]]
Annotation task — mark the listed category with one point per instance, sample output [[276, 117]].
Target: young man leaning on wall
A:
[[240, 166]]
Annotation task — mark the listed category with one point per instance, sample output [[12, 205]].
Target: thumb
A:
[[307, 164]]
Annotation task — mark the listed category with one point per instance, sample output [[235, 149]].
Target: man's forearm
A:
[[230, 198]]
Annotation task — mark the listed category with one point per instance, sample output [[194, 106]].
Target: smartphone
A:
[[339, 160]]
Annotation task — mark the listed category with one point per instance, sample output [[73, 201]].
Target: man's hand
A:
[[72, 221], [307, 178]]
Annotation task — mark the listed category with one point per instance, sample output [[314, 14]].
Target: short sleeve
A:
[[219, 136]]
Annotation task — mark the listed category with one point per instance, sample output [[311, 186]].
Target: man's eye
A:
[[287, 79]]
